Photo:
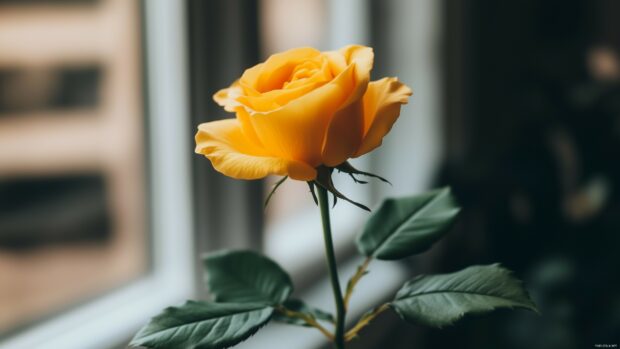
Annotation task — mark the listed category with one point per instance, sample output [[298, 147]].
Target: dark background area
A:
[[531, 105], [532, 101]]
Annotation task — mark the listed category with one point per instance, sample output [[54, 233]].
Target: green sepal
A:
[[273, 189], [346, 167], [324, 179], [311, 187]]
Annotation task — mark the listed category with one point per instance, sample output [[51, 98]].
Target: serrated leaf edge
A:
[[530, 305], [441, 192], [200, 345]]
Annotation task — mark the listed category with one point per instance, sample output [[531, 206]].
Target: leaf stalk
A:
[[361, 271], [308, 319], [365, 321]]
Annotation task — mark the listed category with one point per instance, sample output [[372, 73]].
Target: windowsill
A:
[[131, 304], [114, 317]]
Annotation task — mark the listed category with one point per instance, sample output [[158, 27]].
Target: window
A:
[[126, 214], [95, 215]]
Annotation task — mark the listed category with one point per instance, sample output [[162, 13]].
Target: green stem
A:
[[359, 274], [333, 271]]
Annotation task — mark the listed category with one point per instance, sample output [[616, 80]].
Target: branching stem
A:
[[365, 321], [361, 271], [308, 319]]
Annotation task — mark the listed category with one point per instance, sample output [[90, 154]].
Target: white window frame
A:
[[113, 317]]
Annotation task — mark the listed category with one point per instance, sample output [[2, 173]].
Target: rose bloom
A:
[[299, 110]]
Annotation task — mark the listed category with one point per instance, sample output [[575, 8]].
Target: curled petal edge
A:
[[382, 103], [231, 154]]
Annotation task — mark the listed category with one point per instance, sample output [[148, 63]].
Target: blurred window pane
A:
[[285, 25], [288, 24], [44, 2], [28, 89], [292, 224], [72, 176]]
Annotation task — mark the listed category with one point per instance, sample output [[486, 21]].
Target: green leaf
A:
[[246, 277], [438, 300], [299, 306], [203, 325], [407, 226]]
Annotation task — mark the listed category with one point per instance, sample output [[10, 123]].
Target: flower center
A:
[[301, 73]]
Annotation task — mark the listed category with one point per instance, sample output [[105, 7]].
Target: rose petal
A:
[[362, 57], [277, 98], [247, 127], [382, 103], [276, 69], [284, 90], [232, 154], [346, 128], [344, 134], [297, 130], [227, 97]]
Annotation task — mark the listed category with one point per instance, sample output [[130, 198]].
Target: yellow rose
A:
[[299, 110]]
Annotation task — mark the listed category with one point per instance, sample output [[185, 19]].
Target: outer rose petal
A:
[[226, 97], [363, 57], [344, 134], [382, 103], [346, 128], [224, 143]]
